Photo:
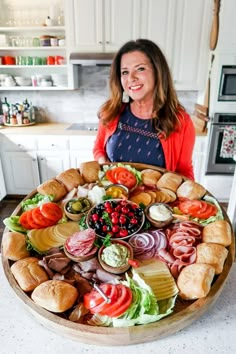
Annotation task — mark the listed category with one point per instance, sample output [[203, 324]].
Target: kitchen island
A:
[[214, 332]]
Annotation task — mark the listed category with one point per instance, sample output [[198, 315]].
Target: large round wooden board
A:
[[184, 314]]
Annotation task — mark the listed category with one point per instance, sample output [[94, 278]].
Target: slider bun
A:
[[14, 246], [28, 273], [150, 177], [170, 180], [191, 190], [55, 295], [89, 171], [70, 178], [218, 232], [213, 254], [194, 281], [53, 187]]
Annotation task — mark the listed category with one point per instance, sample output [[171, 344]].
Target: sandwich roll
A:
[[194, 281], [53, 187], [213, 254], [150, 177], [28, 273], [55, 295], [169, 180], [218, 232], [70, 178], [89, 171], [191, 190], [14, 246]]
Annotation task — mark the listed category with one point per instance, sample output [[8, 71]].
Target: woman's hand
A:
[[103, 159]]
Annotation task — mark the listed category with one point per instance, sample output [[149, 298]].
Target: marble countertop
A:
[[214, 332], [62, 129]]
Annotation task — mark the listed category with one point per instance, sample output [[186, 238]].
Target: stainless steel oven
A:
[[216, 164]]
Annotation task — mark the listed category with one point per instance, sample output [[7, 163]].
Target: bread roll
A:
[[213, 254], [194, 281], [70, 178], [89, 171], [55, 295], [53, 187], [169, 180], [28, 273], [218, 232], [14, 246], [191, 190], [150, 177]]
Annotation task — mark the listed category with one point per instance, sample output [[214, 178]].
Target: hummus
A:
[[115, 255]]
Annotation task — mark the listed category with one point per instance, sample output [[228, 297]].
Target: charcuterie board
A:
[[185, 312]]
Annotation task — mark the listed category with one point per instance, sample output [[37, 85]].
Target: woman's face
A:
[[137, 76]]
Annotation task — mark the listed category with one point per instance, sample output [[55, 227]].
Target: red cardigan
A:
[[178, 147]]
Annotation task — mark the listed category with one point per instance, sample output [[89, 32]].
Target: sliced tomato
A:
[[31, 222], [40, 219], [189, 206], [94, 298], [112, 294], [210, 211], [24, 220], [51, 211], [127, 178], [121, 305], [109, 176]]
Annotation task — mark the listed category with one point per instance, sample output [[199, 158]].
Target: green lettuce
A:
[[36, 201]]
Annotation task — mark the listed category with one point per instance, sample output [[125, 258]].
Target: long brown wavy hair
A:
[[166, 104]]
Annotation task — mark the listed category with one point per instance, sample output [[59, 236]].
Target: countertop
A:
[[62, 129], [45, 129], [214, 332]]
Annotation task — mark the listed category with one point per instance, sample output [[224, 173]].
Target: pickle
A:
[[77, 206]]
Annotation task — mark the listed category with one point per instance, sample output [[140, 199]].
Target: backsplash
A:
[[79, 106]]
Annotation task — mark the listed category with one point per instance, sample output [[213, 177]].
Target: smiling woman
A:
[[153, 127]]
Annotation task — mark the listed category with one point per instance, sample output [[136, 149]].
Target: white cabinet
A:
[[21, 171], [81, 149], [102, 25], [30, 160], [3, 191], [181, 28], [227, 34], [199, 155]]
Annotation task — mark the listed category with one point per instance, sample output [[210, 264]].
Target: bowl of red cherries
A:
[[116, 218]]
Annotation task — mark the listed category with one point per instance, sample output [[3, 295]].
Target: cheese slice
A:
[[157, 275]]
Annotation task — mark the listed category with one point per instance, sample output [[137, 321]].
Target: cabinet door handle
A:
[[100, 42], [107, 42], [34, 160], [53, 145]]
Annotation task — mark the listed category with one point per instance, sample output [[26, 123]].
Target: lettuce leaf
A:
[[36, 201]]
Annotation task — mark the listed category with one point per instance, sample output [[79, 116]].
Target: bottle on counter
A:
[[6, 111], [19, 114]]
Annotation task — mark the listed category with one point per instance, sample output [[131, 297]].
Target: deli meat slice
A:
[[183, 238], [81, 243]]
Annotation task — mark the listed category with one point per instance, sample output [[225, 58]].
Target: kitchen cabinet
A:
[[199, 158], [227, 34], [181, 28], [102, 25], [29, 160], [81, 149], [21, 171], [20, 40], [3, 191]]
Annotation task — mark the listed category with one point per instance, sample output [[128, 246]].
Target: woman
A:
[[153, 127]]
